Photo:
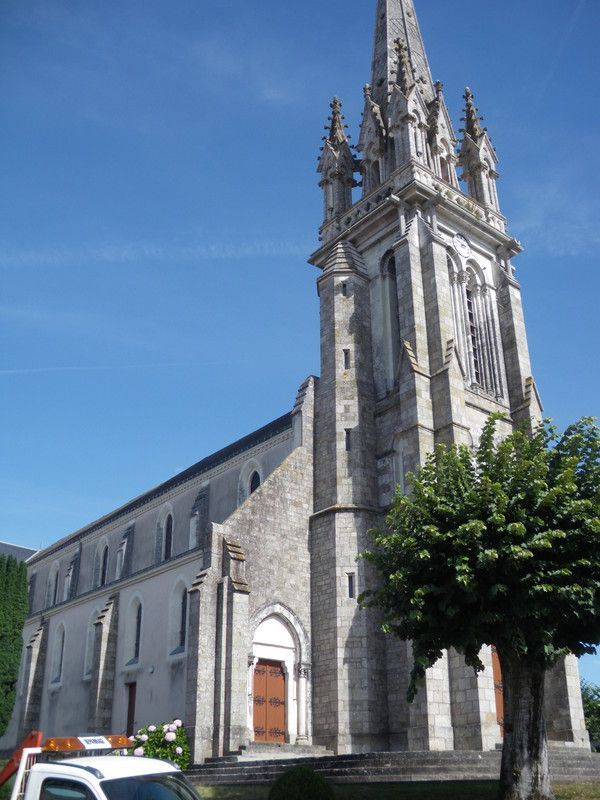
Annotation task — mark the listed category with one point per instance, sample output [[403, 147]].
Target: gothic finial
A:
[[471, 119], [337, 133], [434, 111], [404, 77], [367, 91]]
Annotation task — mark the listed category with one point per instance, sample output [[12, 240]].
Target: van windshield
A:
[[165, 786]]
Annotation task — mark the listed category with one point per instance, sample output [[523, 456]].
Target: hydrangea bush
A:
[[168, 741]]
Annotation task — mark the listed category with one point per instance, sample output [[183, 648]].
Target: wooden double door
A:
[[269, 702]]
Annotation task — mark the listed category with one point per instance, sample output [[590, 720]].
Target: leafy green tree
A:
[[590, 693], [13, 610], [501, 546]]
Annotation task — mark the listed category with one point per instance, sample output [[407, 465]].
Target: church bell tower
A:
[[422, 338]]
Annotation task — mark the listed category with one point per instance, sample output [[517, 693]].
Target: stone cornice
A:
[[416, 183]]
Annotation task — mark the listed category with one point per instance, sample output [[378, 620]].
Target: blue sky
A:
[[158, 201]]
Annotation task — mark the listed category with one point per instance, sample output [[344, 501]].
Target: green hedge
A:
[[13, 611]]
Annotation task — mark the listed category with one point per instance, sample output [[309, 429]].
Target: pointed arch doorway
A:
[[277, 684]]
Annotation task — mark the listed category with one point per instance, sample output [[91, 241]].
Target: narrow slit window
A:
[[348, 439], [183, 619], [346, 359], [104, 567], [169, 538], [351, 585], [138, 632], [344, 289]]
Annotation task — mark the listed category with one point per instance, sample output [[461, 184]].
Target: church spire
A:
[[337, 129], [336, 165], [396, 19], [471, 118], [478, 157]]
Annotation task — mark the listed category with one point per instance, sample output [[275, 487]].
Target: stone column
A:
[[430, 712], [563, 705], [474, 716], [303, 673]]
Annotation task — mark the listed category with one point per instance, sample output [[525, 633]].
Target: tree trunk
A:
[[524, 774]]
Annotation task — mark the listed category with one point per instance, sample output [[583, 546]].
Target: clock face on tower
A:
[[461, 245]]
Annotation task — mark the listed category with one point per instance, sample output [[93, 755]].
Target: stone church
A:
[[227, 595]]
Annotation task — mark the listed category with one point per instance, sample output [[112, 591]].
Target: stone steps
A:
[[567, 766]]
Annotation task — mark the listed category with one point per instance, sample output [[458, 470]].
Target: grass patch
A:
[[463, 790], [6, 790]]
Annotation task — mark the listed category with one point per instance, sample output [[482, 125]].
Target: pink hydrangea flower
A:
[[173, 728], [151, 728], [132, 738], [143, 738], [178, 723], [165, 728], [179, 750], [170, 736], [139, 751]]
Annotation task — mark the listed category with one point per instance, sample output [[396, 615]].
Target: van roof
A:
[[110, 767]]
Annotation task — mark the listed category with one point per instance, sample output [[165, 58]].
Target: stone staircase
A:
[[262, 764]]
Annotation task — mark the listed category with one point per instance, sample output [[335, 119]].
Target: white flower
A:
[[170, 736], [132, 738], [151, 728], [143, 738], [139, 751], [178, 723], [179, 750], [173, 728]]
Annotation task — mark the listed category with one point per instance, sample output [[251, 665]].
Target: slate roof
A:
[[20, 553]]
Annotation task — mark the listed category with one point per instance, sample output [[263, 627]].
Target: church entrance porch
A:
[[269, 702]]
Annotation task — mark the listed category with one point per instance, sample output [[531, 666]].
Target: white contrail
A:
[[115, 367]]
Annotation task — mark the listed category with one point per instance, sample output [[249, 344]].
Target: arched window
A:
[[120, 562], [168, 550], [67, 584], [446, 162], [391, 317], [183, 619], [475, 328], [104, 566], [474, 333], [490, 176], [52, 586], [137, 638], [58, 656], [178, 618], [254, 482]]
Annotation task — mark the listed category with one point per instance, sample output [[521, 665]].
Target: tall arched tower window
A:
[[391, 317], [475, 327]]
